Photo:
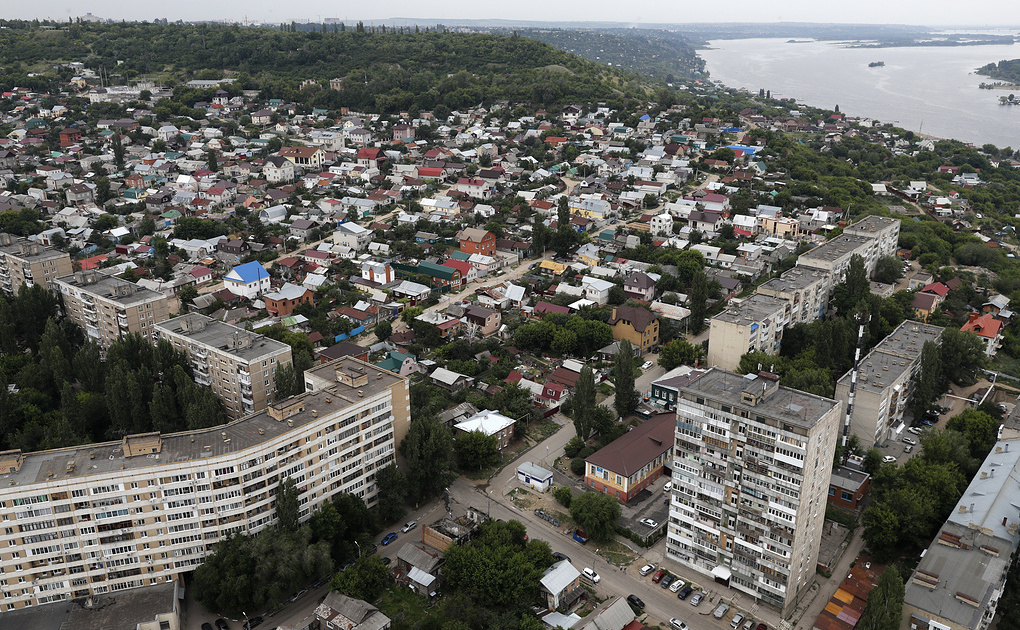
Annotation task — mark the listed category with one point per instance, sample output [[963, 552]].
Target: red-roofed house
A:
[[86, 264], [547, 307], [937, 288], [370, 157], [430, 173], [477, 188], [987, 328], [201, 274], [467, 270]]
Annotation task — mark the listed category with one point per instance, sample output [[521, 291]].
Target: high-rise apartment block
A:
[[106, 517], [23, 262], [239, 366], [750, 477], [108, 307]]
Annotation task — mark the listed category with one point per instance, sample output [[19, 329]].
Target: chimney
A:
[[971, 508]]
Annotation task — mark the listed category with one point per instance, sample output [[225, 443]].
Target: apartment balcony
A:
[[202, 379], [201, 353], [247, 402], [244, 378]]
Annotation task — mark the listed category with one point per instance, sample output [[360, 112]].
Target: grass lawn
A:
[[541, 430], [404, 607]]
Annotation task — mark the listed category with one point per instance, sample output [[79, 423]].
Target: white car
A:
[[409, 526], [648, 568], [591, 575], [676, 624], [668, 487], [676, 585], [646, 365], [647, 522], [909, 440], [888, 459], [915, 430]]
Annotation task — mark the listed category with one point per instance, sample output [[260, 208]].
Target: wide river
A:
[[932, 90]]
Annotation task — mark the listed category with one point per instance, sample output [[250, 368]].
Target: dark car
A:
[[635, 601], [388, 538], [561, 556], [251, 623], [221, 624], [385, 560], [684, 592], [666, 581], [761, 626], [207, 626]]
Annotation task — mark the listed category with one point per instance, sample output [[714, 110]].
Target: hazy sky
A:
[[984, 13]]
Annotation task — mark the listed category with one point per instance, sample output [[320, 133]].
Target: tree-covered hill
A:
[[384, 70], [1006, 70]]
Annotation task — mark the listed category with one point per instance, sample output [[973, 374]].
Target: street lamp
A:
[[247, 624], [359, 548]]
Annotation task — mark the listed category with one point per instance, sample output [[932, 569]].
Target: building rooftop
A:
[[872, 224], [835, 249], [349, 378], [752, 310], [893, 355], [27, 250], [790, 406], [110, 287], [238, 342], [848, 478], [125, 609], [794, 279], [633, 450]]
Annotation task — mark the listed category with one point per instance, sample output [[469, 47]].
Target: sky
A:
[[983, 13]]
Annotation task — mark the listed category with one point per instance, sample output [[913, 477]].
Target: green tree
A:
[[428, 450], [928, 384], [854, 287], [563, 496], [383, 330], [288, 381], [583, 404], [980, 429], [476, 451], [962, 356], [888, 269], [698, 300], [367, 579], [623, 380], [679, 352], [287, 506], [596, 514], [392, 499], [884, 610], [881, 531], [211, 163]]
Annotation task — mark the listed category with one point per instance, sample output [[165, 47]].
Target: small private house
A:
[[535, 476], [561, 585], [283, 301], [637, 325], [340, 612], [448, 380], [988, 329], [249, 280], [633, 461], [491, 423], [848, 487]]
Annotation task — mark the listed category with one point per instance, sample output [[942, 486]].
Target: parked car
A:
[[676, 585], [676, 624], [251, 623], [561, 556], [737, 620], [647, 522], [388, 538], [888, 459], [762, 626], [915, 430], [721, 611], [385, 560], [666, 580], [648, 568], [659, 575], [591, 575], [697, 598], [207, 626], [684, 592], [668, 487], [646, 365], [749, 624], [221, 624], [635, 601], [908, 449], [909, 440], [409, 526]]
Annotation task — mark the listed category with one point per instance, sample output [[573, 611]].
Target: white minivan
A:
[[668, 487]]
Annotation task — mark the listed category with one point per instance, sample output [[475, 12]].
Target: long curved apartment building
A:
[[106, 517]]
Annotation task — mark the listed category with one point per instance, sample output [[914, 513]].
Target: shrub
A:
[[573, 447], [577, 466], [563, 495]]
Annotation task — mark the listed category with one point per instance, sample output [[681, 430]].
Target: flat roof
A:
[[872, 224], [123, 609], [238, 342], [794, 279], [791, 406], [754, 309], [835, 249], [848, 478], [893, 355], [21, 247], [110, 287], [194, 446]]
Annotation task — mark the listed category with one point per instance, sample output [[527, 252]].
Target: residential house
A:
[[301, 228], [637, 325], [449, 380], [633, 461], [848, 487], [249, 280], [340, 612], [277, 169], [988, 329], [284, 300], [596, 290], [377, 273], [231, 251], [475, 241], [400, 363], [485, 321], [639, 286], [353, 236], [561, 585], [418, 565], [491, 423], [413, 292], [311, 158]]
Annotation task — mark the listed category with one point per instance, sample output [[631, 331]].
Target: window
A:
[[846, 496], [832, 491]]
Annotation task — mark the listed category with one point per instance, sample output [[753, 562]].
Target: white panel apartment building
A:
[[106, 517], [754, 325], [750, 477]]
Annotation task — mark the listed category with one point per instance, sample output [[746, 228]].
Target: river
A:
[[931, 90]]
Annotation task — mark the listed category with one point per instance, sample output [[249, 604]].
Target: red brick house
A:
[[848, 487], [475, 241]]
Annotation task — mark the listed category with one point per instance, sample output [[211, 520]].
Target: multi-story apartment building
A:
[[885, 381], [108, 307], [239, 366], [23, 262], [883, 231], [804, 288], [106, 517], [750, 478], [754, 325]]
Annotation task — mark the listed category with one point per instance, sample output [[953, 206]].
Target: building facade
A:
[[107, 307], [805, 289], [750, 476], [23, 262], [754, 325], [106, 517], [633, 461], [239, 366], [883, 231], [885, 379]]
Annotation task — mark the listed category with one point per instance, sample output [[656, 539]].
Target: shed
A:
[[537, 477]]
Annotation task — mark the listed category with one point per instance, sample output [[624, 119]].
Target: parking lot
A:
[[651, 504]]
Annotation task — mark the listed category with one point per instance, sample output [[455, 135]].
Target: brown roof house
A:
[[633, 461], [637, 325]]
